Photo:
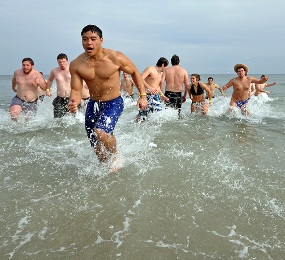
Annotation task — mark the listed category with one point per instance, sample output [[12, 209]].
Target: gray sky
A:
[[209, 36]]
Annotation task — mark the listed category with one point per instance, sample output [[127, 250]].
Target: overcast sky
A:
[[209, 36]]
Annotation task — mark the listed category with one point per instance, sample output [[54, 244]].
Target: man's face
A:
[[27, 67], [91, 42], [241, 72], [62, 63]]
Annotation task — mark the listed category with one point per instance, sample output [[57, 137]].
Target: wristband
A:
[[143, 94], [162, 95], [47, 89]]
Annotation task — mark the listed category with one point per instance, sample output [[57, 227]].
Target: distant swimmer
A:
[[259, 88], [241, 86], [62, 76], [213, 86], [25, 83], [127, 85], [100, 69], [196, 93], [175, 77], [152, 77]]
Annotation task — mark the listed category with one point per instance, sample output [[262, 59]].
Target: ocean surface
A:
[[198, 187]]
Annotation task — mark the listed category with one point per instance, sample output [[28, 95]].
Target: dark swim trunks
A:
[[60, 106], [102, 115], [25, 105], [175, 99]]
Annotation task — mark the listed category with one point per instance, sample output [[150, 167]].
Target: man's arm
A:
[[258, 81], [208, 90], [49, 84], [228, 85], [14, 83], [186, 84], [144, 75], [269, 85], [76, 84], [220, 89], [41, 82]]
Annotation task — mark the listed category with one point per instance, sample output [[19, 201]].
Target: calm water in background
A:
[[199, 187]]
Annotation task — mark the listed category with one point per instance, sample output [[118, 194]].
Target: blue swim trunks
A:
[[102, 115]]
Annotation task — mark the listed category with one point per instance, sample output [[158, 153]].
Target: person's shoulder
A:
[[112, 53], [78, 59]]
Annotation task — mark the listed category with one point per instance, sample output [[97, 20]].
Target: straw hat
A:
[[237, 66]]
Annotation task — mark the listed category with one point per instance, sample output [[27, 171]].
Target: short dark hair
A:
[[62, 56], [175, 60], [162, 61], [29, 60], [263, 76], [210, 78], [92, 28]]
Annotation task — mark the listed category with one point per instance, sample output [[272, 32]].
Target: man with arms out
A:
[[127, 85], [25, 83], [62, 76], [152, 77], [100, 69], [259, 88], [175, 76], [241, 85], [212, 85]]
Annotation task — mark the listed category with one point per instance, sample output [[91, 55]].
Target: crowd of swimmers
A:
[[92, 82]]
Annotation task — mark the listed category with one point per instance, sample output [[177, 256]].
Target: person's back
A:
[[175, 76]]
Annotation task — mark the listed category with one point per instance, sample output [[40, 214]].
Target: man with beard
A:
[[25, 83], [62, 76]]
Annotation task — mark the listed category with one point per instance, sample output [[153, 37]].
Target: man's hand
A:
[[72, 106], [142, 103]]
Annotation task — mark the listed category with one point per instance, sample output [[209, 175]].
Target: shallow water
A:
[[199, 187]]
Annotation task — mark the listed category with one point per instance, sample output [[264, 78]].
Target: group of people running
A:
[[92, 80]]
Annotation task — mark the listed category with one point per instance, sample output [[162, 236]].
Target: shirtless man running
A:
[[175, 76], [213, 86], [259, 88], [127, 85], [25, 83], [62, 76], [100, 69], [241, 85], [152, 77]]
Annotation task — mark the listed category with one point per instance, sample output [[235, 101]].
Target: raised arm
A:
[[269, 85]]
